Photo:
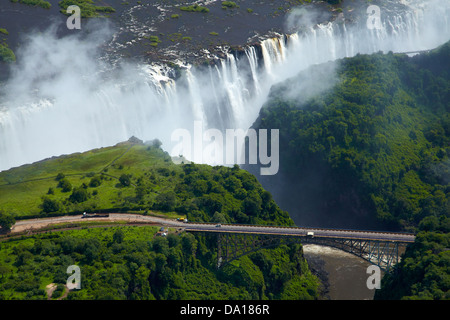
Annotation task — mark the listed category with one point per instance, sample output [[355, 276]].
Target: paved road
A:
[[318, 233], [23, 225], [34, 224]]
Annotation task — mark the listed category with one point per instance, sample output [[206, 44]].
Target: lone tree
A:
[[125, 180], [49, 205], [6, 220], [78, 195], [65, 185]]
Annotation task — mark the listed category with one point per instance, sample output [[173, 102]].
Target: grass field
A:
[[22, 188]]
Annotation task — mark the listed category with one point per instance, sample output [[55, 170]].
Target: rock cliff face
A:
[[168, 32], [164, 30]]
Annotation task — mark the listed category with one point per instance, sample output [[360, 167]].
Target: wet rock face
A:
[[196, 37], [165, 31], [158, 30], [195, 66], [193, 37]]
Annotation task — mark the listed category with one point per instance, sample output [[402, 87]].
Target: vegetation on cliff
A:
[[124, 262], [424, 272], [378, 142], [137, 177], [132, 263]]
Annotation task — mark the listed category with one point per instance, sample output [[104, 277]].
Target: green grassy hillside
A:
[[22, 189], [133, 176]]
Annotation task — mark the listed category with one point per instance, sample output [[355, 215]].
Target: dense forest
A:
[[126, 262], [424, 272], [371, 150]]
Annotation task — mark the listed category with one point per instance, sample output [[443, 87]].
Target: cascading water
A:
[[73, 109]]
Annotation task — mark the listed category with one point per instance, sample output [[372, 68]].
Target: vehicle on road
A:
[[94, 215]]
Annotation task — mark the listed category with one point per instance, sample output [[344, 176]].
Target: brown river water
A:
[[343, 274]]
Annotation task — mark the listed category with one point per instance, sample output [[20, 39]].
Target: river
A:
[[343, 274]]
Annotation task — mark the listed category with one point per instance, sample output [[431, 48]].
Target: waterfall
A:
[[68, 110], [253, 63]]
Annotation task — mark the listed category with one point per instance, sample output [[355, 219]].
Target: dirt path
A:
[[36, 224]]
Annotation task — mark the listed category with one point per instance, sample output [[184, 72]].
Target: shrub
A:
[[6, 220], [6, 54], [38, 3], [195, 8], [229, 4], [50, 205], [125, 180], [78, 195], [65, 185], [95, 182], [88, 8]]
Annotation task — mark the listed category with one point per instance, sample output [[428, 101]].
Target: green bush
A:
[[40, 3], [229, 4], [125, 180], [51, 205], [6, 220], [65, 185], [87, 7], [6, 54], [79, 195], [194, 8], [95, 181]]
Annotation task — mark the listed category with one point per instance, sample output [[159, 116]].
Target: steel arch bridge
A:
[[233, 245]]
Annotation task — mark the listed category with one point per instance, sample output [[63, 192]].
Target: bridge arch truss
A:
[[384, 254]]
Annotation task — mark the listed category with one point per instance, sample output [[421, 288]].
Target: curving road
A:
[[34, 224]]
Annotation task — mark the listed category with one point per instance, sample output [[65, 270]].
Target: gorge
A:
[[361, 109]]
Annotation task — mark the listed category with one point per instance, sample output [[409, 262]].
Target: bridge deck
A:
[[303, 232]]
